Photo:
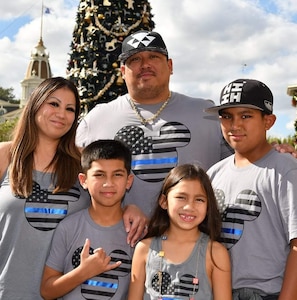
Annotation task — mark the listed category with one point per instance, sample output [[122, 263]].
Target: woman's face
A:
[[57, 114]]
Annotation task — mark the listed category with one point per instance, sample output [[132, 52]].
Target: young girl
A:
[[180, 257]]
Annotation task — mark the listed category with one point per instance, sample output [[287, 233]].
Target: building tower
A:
[[37, 71]]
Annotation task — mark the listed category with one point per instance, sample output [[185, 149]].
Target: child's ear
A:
[[129, 181], [83, 180], [269, 121], [163, 201]]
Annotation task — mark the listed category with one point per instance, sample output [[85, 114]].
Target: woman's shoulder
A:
[[4, 157], [5, 146]]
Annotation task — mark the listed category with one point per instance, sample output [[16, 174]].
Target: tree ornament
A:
[[106, 3], [100, 29]]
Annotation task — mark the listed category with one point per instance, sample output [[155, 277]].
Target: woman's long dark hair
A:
[[66, 162]]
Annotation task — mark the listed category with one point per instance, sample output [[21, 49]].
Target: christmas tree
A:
[[101, 26]]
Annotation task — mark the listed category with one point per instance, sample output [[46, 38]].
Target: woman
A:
[[39, 185]]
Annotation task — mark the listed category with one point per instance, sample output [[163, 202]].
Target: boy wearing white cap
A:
[[256, 190]]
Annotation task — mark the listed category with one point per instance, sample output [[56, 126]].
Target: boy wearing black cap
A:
[[256, 190]]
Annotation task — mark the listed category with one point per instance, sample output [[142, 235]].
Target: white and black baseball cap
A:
[[249, 93], [142, 41]]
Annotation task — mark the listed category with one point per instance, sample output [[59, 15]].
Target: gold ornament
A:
[[115, 33], [120, 80], [145, 19], [106, 3], [88, 15]]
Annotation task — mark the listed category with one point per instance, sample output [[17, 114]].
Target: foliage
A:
[[6, 129], [291, 140], [15, 101], [7, 95]]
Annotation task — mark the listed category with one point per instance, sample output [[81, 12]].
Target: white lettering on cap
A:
[[232, 93]]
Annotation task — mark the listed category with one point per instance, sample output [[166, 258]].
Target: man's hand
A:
[[135, 223], [285, 148]]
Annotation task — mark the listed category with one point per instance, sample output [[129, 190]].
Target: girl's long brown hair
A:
[[160, 221], [66, 162]]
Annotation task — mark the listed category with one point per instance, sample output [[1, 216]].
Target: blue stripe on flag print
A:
[[154, 161], [247, 208], [105, 285], [44, 210]]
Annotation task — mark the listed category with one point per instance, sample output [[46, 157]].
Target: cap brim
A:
[[216, 109], [125, 56]]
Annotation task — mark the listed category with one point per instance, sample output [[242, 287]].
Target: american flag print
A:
[[154, 156], [105, 285], [184, 288], [247, 207], [44, 210]]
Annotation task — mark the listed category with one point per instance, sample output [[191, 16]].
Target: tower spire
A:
[[41, 20], [38, 69]]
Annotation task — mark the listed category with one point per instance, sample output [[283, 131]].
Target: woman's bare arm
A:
[[4, 157]]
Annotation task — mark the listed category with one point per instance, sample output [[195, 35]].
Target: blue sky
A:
[[10, 28], [211, 43]]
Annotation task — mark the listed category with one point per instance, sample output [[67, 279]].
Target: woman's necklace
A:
[[195, 279], [154, 117]]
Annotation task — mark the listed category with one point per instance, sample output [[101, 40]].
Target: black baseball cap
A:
[[142, 41], [249, 93]]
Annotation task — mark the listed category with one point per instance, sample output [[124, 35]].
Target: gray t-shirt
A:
[[66, 247], [26, 230], [259, 210], [183, 133]]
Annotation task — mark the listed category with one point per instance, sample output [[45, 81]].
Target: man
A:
[[162, 128]]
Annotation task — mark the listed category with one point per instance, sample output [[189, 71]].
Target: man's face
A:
[[147, 71]]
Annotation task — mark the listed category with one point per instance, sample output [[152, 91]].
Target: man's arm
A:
[[289, 287], [135, 222]]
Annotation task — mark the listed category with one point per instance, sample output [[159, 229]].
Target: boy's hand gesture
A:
[[96, 263]]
